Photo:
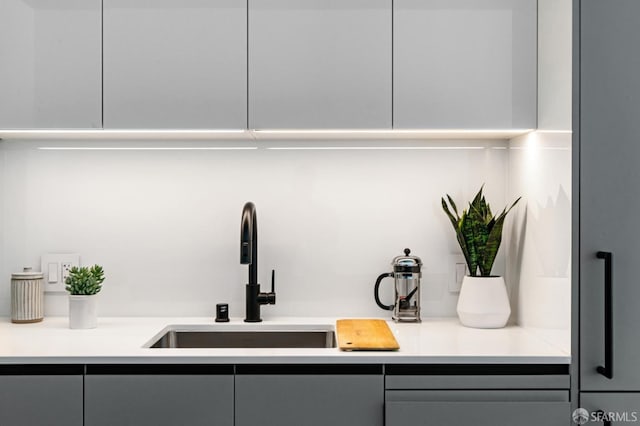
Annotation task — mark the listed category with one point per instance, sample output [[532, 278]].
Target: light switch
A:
[[461, 270], [53, 272], [457, 271]]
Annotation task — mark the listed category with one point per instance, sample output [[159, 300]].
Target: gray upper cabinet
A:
[[318, 64], [609, 107], [175, 64], [464, 64], [50, 75]]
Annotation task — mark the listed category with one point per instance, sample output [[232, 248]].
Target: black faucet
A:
[[249, 256]]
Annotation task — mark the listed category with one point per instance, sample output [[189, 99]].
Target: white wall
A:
[[540, 234], [165, 224]]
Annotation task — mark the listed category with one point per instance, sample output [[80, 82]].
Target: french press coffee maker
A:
[[407, 274]]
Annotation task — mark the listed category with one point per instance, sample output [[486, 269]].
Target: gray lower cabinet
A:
[[175, 64], [467, 395], [478, 408], [290, 397], [609, 107], [166, 396], [460, 64], [51, 64], [616, 408], [320, 64], [41, 399]]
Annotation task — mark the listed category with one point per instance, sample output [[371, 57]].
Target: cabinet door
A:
[[318, 64], [309, 399], [478, 408], [175, 64], [617, 408], [196, 399], [609, 181], [52, 400], [460, 64], [51, 68]]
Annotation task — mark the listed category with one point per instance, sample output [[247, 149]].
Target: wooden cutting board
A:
[[365, 335]]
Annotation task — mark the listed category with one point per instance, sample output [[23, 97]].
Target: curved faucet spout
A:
[[249, 241], [249, 256]]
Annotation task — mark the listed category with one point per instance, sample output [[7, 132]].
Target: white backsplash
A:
[[165, 224], [540, 235]]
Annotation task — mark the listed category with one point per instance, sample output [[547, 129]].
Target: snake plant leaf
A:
[[453, 205], [480, 236], [468, 235], [457, 226], [493, 245], [478, 232], [454, 220], [495, 238]]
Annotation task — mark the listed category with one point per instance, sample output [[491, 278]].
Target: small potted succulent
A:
[[483, 301], [83, 284]]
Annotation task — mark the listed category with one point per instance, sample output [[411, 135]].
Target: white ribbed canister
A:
[[27, 298]]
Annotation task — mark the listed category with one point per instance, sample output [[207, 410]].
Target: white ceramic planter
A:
[[483, 302], [82, 312]]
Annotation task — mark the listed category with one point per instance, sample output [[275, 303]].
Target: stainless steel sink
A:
[[182, 337]]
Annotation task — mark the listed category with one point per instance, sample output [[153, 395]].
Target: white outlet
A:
[[66, 270], [55, 267]]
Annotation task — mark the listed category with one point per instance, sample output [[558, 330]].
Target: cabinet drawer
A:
[[480, 376], [477, 396], [478, 413], [478, 382]]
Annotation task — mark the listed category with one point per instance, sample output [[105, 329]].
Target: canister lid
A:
[[27, 274]]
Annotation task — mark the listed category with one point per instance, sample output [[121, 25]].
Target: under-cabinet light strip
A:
[[394, 131], [554, 131], [367, 148], [121, 132], [137, 148]]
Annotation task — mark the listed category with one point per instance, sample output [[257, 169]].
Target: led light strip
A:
[[123, 132], [366, 148], [142, 148], [392, 131]]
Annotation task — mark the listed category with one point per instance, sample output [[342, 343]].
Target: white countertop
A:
[[121, 340]]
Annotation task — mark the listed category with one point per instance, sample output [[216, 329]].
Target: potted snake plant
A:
[[483, 301], [84, 284]]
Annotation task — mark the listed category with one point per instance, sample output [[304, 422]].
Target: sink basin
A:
[[183, 337]]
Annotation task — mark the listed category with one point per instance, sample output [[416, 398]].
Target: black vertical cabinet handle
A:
[[607, 369]]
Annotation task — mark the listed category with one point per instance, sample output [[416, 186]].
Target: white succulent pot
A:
[[483, 302], [82, 312]]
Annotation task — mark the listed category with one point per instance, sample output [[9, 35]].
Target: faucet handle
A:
[[269, 298]]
